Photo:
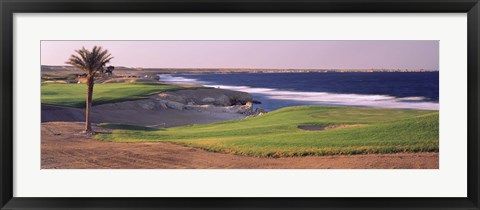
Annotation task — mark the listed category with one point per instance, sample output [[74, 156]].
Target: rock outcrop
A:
[[207, 96], [207, 99]]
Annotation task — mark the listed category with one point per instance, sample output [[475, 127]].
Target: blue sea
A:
[[403, 90]]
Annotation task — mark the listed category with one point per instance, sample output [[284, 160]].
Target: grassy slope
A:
[[74, 94], [276, 134]]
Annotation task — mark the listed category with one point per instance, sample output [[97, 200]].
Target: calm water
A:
[[417, 90]]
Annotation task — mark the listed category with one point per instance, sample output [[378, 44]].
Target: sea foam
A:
[[320, 98]]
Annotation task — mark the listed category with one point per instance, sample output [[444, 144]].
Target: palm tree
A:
[[92, 63], [109, 70]]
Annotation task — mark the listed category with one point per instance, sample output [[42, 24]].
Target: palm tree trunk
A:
[[90, 83]]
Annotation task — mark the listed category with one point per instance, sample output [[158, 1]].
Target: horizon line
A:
[[239, 68]]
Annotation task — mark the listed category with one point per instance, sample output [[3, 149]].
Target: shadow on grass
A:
[[117, 126]]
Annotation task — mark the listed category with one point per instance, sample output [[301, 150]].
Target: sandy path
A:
[[64, 147]]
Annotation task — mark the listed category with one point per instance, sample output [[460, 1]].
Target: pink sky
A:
[[257, 54]]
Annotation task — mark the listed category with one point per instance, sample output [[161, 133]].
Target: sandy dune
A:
[[64, 147]]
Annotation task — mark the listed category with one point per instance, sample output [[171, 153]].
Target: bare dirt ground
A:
[[63, 146]]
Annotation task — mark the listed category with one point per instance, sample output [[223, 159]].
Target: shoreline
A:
[[278, 98], [179, 107]]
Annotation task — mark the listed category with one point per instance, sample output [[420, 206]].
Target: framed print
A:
[[239, 105]]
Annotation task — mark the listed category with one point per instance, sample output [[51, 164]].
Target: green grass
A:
[[276, 134], [74, 94]]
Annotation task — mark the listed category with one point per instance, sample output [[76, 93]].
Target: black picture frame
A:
[[9, 7]]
